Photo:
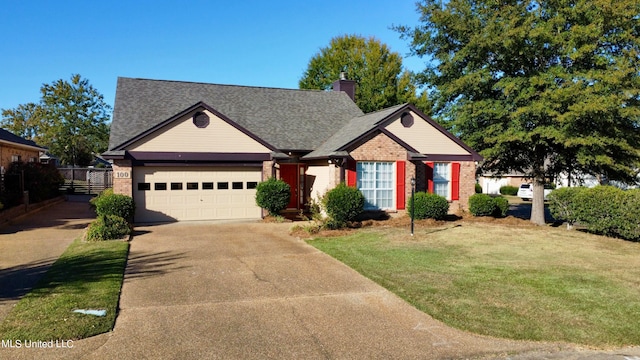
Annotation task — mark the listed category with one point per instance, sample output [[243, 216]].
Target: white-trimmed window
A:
[[442, 180], [16, 158], [376, 181]]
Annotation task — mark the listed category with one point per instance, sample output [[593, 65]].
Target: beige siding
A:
[[425, 138], [183, 136], [320, 179]]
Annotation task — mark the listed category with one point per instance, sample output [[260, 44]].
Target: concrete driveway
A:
[[249, 291]]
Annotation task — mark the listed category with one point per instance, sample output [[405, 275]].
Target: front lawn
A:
[[86, 276], [518, 282]]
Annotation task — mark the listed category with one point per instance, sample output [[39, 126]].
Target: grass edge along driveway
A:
[[88, 275], [523, 283]]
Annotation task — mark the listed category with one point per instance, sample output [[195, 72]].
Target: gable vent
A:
[[201, 119], [406, 119]]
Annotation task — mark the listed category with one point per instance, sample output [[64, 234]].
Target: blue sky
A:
[[254, 43]]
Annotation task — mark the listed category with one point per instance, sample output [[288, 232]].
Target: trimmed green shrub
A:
[[478, 189], [115, 204], [273, 195], [501, 206], [629, 222], [509, 190], [563, 204], [599, 210], [343, 203], [108, 227], [105, 192], [424, 205], [481, 205]]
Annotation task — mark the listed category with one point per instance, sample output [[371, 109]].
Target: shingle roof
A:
[[287, 119], [11, 137], [355, 128]]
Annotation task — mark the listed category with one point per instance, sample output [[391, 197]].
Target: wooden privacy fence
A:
[[86, 180]]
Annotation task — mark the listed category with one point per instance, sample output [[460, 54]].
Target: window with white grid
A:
[[441, 179], [376, 182]]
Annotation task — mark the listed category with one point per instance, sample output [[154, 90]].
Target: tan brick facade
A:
[[383, 148], [467, 186], [7, 152], [121, 185]]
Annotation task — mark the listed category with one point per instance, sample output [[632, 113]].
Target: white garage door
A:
[[187, 193]]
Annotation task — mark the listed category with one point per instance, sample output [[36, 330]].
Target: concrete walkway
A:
[[249, 291]]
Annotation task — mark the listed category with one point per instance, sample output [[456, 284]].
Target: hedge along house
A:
[[196, 151]]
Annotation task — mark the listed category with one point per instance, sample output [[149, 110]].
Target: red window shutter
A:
[[455, 181], [429, 177], [400, 184], [351, 173]]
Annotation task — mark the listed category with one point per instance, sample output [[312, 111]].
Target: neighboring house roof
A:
[[9, 137], [287, 119]]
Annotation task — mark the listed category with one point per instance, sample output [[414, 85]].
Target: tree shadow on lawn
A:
[[80, 271], [17, 281]]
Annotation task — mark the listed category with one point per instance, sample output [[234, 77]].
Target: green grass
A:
[[86, 276], [523, 283]]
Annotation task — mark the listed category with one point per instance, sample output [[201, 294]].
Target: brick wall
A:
[[383, 148], [7, 152], [267, 170], [467, 186], [120, 185]]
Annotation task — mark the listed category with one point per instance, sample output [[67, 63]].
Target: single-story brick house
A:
[[196, 151], [14, 148]]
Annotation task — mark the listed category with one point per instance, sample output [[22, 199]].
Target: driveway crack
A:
[[255, 274]]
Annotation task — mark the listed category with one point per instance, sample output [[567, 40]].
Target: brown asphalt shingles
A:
[[249, 291]]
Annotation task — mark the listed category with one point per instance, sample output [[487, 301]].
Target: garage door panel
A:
[[211, 196]]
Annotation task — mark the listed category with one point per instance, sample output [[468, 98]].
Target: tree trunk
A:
[[537, 203]]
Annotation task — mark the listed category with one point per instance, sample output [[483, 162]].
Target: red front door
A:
[[289, 174]]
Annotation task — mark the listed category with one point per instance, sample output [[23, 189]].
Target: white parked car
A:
[[525, 192]]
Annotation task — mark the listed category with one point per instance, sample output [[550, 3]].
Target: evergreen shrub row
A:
[[604, 210]]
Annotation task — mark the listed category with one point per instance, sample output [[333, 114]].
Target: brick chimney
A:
[[348, 86]]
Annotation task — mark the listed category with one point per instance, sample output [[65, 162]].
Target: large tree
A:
[[378, 72], [70, 120], [540, 87]]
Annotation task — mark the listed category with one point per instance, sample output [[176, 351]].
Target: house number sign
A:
[[122, 174]]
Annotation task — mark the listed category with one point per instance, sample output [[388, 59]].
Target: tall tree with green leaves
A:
[[378, 72], [540, 87], [71, 120]]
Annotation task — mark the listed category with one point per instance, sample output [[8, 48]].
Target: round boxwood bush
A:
[[501, 206], [481, 205], [108, 227], [273, 195], [343, 203], [115, 204], [424, 205]]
